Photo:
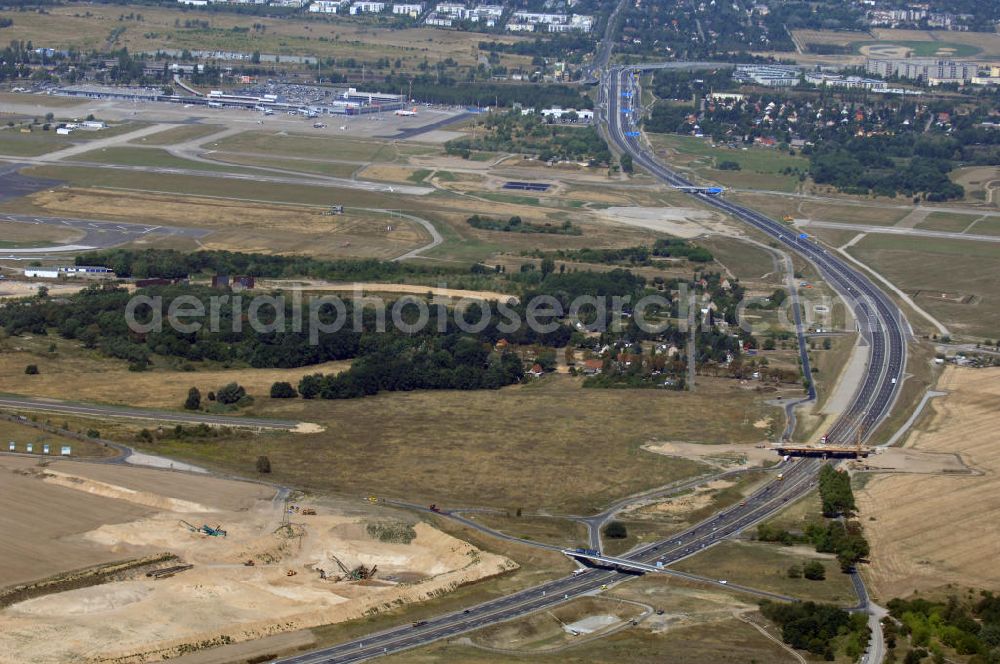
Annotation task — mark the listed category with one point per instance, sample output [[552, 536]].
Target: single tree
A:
[[814, 570], [230, 394], [283, 390], [615, 530], [263, 464], [193, 401], [31, 370]]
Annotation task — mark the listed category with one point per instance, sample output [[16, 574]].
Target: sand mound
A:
[[96, 599]]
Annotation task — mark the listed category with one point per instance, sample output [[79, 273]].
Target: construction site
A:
[[180, 563]]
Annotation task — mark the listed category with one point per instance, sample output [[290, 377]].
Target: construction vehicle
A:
[[249, 563], [291, 572], [781, 476], [309, 511], [334, 210], [433, 507], [788, 218], [205, 529]]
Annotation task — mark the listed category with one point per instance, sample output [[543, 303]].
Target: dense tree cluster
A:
[[453, 362], [516, 225], [969, 626], [819, 628], [843, 539], [531, 134], [835, 492], [437, 356], [171, 264], [639, 255]]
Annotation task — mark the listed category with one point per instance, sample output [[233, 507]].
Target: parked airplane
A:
[[405, 113]]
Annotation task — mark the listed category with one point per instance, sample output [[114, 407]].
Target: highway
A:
[[883, 328], [880, 322]]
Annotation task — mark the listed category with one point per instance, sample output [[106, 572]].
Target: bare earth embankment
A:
[[930, 530], [69, 515]]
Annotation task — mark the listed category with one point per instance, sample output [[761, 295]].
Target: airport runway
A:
[[97, 234], [897, 230]]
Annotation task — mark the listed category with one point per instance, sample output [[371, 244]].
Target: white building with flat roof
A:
[[367, 7], [326, 6], [411, 9]]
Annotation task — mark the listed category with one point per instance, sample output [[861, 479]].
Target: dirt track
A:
[[932, 530]]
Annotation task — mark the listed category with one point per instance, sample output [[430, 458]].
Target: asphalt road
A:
[[92, 410]]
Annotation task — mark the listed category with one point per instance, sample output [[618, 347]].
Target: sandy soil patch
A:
[[387, 172], [678, 506], [909, 460], [722, 456], [375, 287], [296, 582], [680, 222], [929, 531], [16, 289], [437, 136]]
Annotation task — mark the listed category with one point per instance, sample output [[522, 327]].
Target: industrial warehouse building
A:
[[69, 271]]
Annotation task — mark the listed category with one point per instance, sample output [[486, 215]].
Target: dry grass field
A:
[[952, 279], [92, 374], [256, 226], [551, 445], [88, 27], [765, 566], [980, 183], [22, 434], [698, 626], [178, 134], [928, 531], [318, 147]]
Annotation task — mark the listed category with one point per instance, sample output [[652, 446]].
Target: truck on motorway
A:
[[587, 552]]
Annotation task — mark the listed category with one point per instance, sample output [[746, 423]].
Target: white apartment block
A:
[[326, 6], [438, 20], [452, 9], [410, 9], [367, 7]]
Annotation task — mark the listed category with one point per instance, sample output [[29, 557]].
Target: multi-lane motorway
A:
[[879, 320], [881, 324]]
